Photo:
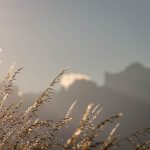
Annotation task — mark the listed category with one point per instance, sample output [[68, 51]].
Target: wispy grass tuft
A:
[[26, 131]]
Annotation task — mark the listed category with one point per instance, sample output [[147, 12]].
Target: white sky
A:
[[90, 36]]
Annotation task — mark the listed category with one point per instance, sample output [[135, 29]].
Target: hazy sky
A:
[[91, 36]]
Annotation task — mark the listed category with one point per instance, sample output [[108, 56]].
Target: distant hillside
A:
[[133, 81], [127, 92]]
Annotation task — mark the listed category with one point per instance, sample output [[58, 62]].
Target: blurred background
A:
[[106, 44]]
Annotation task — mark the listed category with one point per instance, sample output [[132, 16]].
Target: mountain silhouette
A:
[[127, 92], [133, 81]]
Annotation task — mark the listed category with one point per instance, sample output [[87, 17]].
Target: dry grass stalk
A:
[[136, 139], [26, 131]]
